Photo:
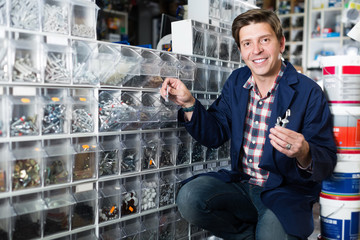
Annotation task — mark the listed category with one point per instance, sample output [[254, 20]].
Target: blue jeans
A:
[[229, 210]]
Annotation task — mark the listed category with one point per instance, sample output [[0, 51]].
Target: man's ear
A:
[[282, 44]]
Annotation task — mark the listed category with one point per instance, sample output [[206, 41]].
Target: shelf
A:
[[295, 28], [326, 20]]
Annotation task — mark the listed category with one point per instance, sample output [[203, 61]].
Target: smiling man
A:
[[282, 145]]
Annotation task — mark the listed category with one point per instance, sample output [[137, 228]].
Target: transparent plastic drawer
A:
[[212, 42], [188, 68], [150, 153], [25, 14], [57, 67], [131, 154], [168, 114], [226, 10], [54, 113], [3, 12], [211, 154], [83, 212], [181, 175], [4, 164], [57, 162], [82, 114], [225, 72], [26, 165], [151, 224], [111, 232], [200, 82], [151, 81], [167, 189], [198, 38], [85, 235], [143, 81], [108, 108], [151, 64], [4, 60], [203, 99], [24, 120], [225, 42], [132, 229], [151, 106], [109, 202], [84, 165], [167, 224], [27, 222], [130, 196], [214, 9], [130, 61], [150, 192], [25, 61], [83, 19], [183, 155], [214, 77], [6, 219], [234, 52], [84, 64], [169, 151], [105, 58], [55, 16], [170, 65], [198, 152], [224, 151], [3, 114], [131, 101], [127, 68], [181, 226], [117, 109], [109, 156], [58, 214]]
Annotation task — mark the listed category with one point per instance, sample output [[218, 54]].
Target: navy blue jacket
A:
[[289, 191]]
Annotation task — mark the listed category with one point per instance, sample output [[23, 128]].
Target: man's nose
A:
[[257, 48]]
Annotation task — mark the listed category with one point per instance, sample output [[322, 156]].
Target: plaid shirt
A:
[[256, 126]]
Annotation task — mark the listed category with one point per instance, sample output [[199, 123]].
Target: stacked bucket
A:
[[340, 196]]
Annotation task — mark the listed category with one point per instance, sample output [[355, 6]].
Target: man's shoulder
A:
[[240, 75], [300, 79]]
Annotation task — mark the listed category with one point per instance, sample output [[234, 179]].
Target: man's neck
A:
[[264, 84]]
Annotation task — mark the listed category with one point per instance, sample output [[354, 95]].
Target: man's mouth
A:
[[259, 60]]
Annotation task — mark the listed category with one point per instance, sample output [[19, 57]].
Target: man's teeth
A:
[[259, 60]]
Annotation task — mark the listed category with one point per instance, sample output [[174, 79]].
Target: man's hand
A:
[[292, 144], [176, 91]]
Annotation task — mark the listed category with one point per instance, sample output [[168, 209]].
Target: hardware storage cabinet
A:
[[293, 18], [329, 22], [89, 148]]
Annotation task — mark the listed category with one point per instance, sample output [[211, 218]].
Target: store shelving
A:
[[293, 17], [83, 126], [327, 30]]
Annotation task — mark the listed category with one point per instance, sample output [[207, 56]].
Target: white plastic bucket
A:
[[345, 180], [342, 157], [339, 217], [346, 128], [341, 79]]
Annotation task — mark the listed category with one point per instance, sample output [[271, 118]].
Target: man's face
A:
[[261, 50]]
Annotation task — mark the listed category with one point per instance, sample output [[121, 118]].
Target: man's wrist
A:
[[189, 109], [189, 104]]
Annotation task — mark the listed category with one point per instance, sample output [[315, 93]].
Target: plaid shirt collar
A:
[[250, 83]]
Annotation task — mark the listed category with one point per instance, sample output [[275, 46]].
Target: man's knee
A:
[[187, 201], [190, 201]]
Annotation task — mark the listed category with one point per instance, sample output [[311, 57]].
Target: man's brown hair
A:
[[256, 16]]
